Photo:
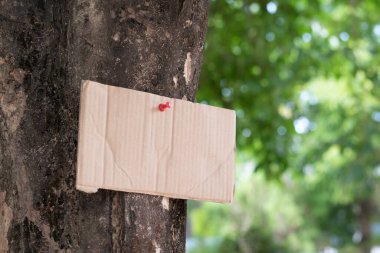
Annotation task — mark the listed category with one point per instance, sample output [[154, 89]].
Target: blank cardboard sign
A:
[[127, 144]]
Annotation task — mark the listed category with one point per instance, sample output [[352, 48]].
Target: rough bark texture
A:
[[46, 48]]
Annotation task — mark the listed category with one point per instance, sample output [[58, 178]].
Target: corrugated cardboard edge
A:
[[91, 189], [87, 189]]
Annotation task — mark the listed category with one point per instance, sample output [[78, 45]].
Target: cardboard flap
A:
[[126, 143]]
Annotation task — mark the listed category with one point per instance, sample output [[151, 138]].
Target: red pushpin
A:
[[163, 107]]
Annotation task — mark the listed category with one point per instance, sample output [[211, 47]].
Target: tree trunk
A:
[[46, 48], [364, 219]]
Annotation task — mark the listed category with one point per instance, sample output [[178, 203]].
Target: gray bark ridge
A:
[[46, 49]]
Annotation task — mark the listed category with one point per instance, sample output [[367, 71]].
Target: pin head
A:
[[162, 107]]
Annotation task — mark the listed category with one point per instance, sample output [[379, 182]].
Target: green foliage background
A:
[[303, 78]]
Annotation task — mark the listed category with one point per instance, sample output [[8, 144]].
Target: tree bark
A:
[[46, 48]]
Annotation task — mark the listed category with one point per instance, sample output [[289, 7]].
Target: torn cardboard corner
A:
[[127, 144]]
